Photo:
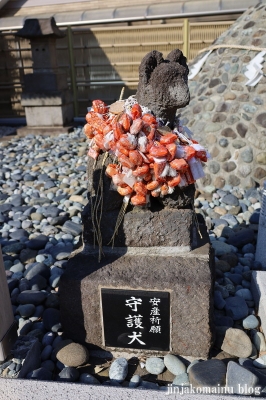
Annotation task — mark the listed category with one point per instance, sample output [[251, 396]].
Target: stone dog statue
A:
[[163, 84], [163, 89]]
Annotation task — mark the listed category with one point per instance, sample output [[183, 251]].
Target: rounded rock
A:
[[174, 365], [26, 310], [73, 355], [89, 379], [251, 322], [155, 365], [134, 381], [207, 373], [237, 343], [260, 362], [118, 370], [181, 380], [68, 374]]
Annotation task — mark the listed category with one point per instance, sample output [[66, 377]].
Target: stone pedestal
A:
[[187, 275]]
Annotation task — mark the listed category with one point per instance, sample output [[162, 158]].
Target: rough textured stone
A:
[[156, 77], [188, 276], [73, 355], [140, 228], [243, 106], [237, 343]]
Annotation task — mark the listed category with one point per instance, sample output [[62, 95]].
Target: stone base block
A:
[[145, 228], [43, 130], [49, 115], [188, 277]]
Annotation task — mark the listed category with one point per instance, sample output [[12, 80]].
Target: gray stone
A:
[[155, 365], [68, 374], [221, 248], [230, 200], [26, 310], [244, 236], [88, 379], [51, 321], [118, 370], [181, 380], [72, 227], [73, 355], [210, 373], [48, 338], [260, 362], [251, 322], [174, 364], [219, 302], [48, 364], [236, 307], [240, 379], [13, 249], [148, 385], [42, 374], [46, 353], [19, 234], [214, 167], [38, 242], [31, 297], [134, 381], [29, 349], [247, 155], [237, 343], [37, 269], [259, 341], [245, 293]]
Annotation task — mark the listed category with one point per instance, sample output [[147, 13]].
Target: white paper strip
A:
[[194, 70], [254, 69]]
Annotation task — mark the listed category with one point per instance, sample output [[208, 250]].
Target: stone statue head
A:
[[163, 84]]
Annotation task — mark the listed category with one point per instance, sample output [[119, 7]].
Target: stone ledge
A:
[[144, 228], [40, 390], [258, 289]]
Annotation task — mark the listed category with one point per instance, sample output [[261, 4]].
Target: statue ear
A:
[[177, 56], [148, 64]]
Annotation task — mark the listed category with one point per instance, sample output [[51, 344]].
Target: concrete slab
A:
[[16, 389], [258, 288]]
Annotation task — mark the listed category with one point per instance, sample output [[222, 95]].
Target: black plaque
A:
[[136, 319]]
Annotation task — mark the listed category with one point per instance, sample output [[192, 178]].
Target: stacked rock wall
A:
[[226, 116]]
